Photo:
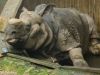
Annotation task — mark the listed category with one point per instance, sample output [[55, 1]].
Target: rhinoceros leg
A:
[[77, 57], [94, 42], [94, 36]]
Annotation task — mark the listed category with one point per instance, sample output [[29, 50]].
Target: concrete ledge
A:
[[10, 9]]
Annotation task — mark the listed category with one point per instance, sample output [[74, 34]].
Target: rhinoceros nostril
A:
[[7, 40]]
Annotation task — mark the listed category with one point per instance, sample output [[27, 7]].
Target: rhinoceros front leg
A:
[[77, 57]]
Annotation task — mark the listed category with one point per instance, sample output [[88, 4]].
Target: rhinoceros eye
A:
[[27, 27], [14, 32]]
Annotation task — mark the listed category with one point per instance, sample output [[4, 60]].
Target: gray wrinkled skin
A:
[[72, 28], [58, 32], [68, 27]]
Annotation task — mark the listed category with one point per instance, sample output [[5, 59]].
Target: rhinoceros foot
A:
[[80, 63], [95, 49]]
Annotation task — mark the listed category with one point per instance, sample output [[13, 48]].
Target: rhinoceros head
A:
[[16, 31]]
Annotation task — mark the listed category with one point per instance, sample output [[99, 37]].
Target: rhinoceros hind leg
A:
[[77, 57]]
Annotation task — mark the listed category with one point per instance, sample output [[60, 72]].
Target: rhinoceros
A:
[[55, 32]]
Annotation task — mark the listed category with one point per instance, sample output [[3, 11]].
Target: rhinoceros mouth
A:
[[12, 41]]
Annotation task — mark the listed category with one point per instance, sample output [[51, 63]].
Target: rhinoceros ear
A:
[[44, 9], [24, 9]]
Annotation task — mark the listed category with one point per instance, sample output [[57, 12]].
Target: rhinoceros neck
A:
[[50, 35], [42, 38], [46, 38]]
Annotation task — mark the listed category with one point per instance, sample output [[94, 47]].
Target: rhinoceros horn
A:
[[14, 21]]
